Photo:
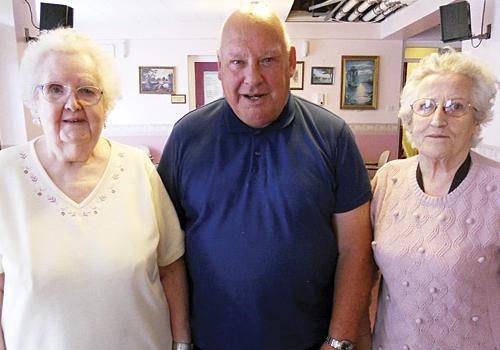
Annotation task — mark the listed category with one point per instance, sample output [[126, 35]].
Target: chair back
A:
[[384, 157]]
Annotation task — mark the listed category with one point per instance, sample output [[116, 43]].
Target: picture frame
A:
[[178, 98], [297, 80], [156, 80], [359, 82], [322, 75]]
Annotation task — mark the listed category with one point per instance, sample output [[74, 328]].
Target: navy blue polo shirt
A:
[[256, 206]]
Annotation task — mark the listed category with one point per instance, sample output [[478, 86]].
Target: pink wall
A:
[[154, 143], [373, 139], [371, 146]]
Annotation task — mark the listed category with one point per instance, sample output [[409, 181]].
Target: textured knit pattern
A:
[[439, 258]]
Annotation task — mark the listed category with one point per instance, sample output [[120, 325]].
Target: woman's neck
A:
[[70, 154], [79, 174], [438, 174]]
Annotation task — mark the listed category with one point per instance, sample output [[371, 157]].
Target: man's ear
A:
[[219, 64], [292, 60]]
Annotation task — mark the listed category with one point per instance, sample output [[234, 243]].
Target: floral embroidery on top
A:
[[92, 208]]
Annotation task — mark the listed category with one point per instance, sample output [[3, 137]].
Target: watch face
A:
[[346, 345]]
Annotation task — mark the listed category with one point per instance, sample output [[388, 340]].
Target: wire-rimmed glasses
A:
[[454, 107], [58, 93]]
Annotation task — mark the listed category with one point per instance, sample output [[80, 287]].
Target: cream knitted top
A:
[[439, 258]]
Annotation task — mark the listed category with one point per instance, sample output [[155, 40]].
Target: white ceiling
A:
[[151, 12], [174, 19]]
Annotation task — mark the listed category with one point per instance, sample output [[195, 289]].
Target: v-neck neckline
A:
[[58, 191], [48, 194]]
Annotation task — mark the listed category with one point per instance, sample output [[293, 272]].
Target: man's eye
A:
[[236, 62], [267, 60]]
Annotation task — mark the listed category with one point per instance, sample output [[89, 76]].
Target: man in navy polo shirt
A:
[[274, 199]]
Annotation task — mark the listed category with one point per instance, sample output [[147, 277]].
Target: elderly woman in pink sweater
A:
[[436, 216]]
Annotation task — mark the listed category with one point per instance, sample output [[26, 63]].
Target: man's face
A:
[[255, 70]]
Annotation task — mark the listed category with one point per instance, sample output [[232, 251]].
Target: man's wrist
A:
[[339, 344], [182, 346]]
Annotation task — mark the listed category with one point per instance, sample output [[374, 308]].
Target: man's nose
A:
[[253, 74]]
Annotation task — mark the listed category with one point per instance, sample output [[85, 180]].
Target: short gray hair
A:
[[452, 62], [65, 40]]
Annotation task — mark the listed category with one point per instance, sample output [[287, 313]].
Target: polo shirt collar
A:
[[235, 125]]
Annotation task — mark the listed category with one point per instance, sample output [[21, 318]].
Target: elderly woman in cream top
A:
[[436, 216], [91, 253]]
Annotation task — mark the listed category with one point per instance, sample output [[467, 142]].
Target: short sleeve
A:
[[352, 181], [168, 168], [171, 243]]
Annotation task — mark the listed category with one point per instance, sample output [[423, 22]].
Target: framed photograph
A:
[[156, 80], [177, 99], [297, 81], [359, 82], [322, 75]]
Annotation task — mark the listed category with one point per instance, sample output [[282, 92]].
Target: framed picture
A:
[[322, 75], [156, 80], [359, 82], [177, 99], [297, 81]]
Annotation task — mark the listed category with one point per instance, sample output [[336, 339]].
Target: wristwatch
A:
[[181, 346], [339, 344]]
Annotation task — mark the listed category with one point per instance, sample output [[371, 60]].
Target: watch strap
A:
[[338, 344], [182, 346], [332, 342]]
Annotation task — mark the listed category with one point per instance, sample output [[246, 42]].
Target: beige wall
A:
[[489, 52], [12, 124]]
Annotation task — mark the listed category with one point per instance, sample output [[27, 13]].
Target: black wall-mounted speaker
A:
[[455, 21], [54, 15]]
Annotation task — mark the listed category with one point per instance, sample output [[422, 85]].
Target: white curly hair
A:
[[451, 62], [66, 40]]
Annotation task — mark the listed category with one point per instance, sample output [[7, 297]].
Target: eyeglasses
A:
[[455, 107], [58, 93]]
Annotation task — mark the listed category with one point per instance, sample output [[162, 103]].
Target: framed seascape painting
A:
[[322, 75], [156, 80], [297, 81], [359, 82]]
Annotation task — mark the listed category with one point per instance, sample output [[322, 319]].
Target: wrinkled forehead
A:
[[246, 49], [246, 39], [449, 85], [57, 66]]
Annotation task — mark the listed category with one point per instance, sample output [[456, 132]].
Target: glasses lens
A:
[[89, 94], [456, 107], [54, 92], [424, 106], [57, 93]]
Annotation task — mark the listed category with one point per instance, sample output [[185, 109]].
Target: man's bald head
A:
[[256, 62], [255, 14]]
